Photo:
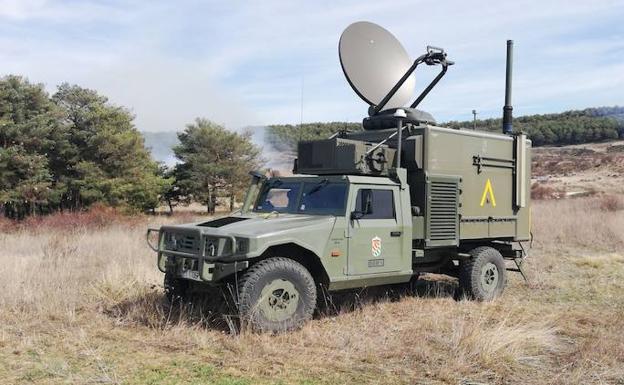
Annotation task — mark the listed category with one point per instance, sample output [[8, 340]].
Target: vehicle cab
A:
[[353, 225], [371, 232]]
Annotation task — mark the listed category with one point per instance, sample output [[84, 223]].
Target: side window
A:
[[375, 204]]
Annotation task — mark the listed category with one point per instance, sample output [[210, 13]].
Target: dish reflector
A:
[[373, 61]]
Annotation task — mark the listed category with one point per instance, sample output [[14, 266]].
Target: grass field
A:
[[81, 302]]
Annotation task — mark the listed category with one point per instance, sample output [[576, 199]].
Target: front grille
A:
[[197, 245], [181, 242]]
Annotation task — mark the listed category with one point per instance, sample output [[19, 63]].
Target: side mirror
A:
[[367, 202], [364, 205]]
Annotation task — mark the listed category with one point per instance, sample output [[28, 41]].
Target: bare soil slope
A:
[[580, 169]]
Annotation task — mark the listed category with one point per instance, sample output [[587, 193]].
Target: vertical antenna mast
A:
[[301, 111], [474, 119], [508, 109]]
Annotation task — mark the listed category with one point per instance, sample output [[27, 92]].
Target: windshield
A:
[[278, 196], [315, 198]]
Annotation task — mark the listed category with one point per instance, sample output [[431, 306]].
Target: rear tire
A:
[[483, 277], [277, 295]]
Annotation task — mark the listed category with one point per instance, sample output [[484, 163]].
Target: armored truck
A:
[[400, 197]]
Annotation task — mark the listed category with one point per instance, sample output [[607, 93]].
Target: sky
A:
[[276, 62]]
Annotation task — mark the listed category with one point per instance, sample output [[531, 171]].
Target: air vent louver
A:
[[442, 211]]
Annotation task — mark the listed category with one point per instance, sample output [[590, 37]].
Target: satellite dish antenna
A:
[[381, 72], [373, 61]]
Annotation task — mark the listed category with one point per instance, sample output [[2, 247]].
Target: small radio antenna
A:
[[301, 111]]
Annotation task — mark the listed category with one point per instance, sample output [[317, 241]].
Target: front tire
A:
[[277, 295], [176, 289], [483, 277]]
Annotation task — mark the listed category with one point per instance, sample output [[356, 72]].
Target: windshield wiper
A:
[[276, 183], [319, 186]]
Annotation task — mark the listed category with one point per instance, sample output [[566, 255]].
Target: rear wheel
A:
[[277, 294], [483, 277]]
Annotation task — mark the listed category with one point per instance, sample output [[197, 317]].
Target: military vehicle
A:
[[373, 207]]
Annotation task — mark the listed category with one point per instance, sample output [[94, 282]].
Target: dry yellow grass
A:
[[86, 306]]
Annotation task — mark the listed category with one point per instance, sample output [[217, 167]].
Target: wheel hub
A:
[[489, 277], [279, 300]]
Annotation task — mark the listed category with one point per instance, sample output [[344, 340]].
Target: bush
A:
[[97, 217], [611, 203], [541, 191]]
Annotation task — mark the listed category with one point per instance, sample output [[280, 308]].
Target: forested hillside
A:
[[286, 136], [570, 127]]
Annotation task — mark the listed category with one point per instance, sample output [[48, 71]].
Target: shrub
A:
[[97, 217], [541, 191], [611, 203]]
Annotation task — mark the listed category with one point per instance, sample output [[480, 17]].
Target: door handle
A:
[[395, 233]]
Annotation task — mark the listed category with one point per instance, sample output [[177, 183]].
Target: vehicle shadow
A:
[[151, 308], [426, 286], [217, 310]]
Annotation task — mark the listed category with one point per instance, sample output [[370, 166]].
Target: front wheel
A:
[[176, 289], [276, 295], [483, 277]]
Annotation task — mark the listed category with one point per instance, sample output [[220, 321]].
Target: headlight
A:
[[212, 247], [242, 245], [171, 243]]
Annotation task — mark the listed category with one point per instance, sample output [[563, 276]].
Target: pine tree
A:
[[214, 162]]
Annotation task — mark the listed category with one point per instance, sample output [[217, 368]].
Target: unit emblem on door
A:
[[376, 246]]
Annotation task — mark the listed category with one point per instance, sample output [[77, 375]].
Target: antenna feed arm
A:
[[434, 56]]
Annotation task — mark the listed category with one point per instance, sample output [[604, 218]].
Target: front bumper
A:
[[191, 258], [199, 270]]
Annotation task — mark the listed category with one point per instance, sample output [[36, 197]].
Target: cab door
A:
[[375, 230]]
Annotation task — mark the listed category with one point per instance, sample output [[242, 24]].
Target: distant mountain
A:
[[161, 144]]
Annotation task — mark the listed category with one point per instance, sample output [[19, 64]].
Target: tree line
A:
[[72, 149], [570, 127], [285, 136]]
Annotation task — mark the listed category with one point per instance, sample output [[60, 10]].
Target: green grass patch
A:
[[188, 373]]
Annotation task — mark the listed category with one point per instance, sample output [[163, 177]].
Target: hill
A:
[[279, 141], [569, 127], [577, 170]]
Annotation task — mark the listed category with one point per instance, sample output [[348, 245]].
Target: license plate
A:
[[190, 274]]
